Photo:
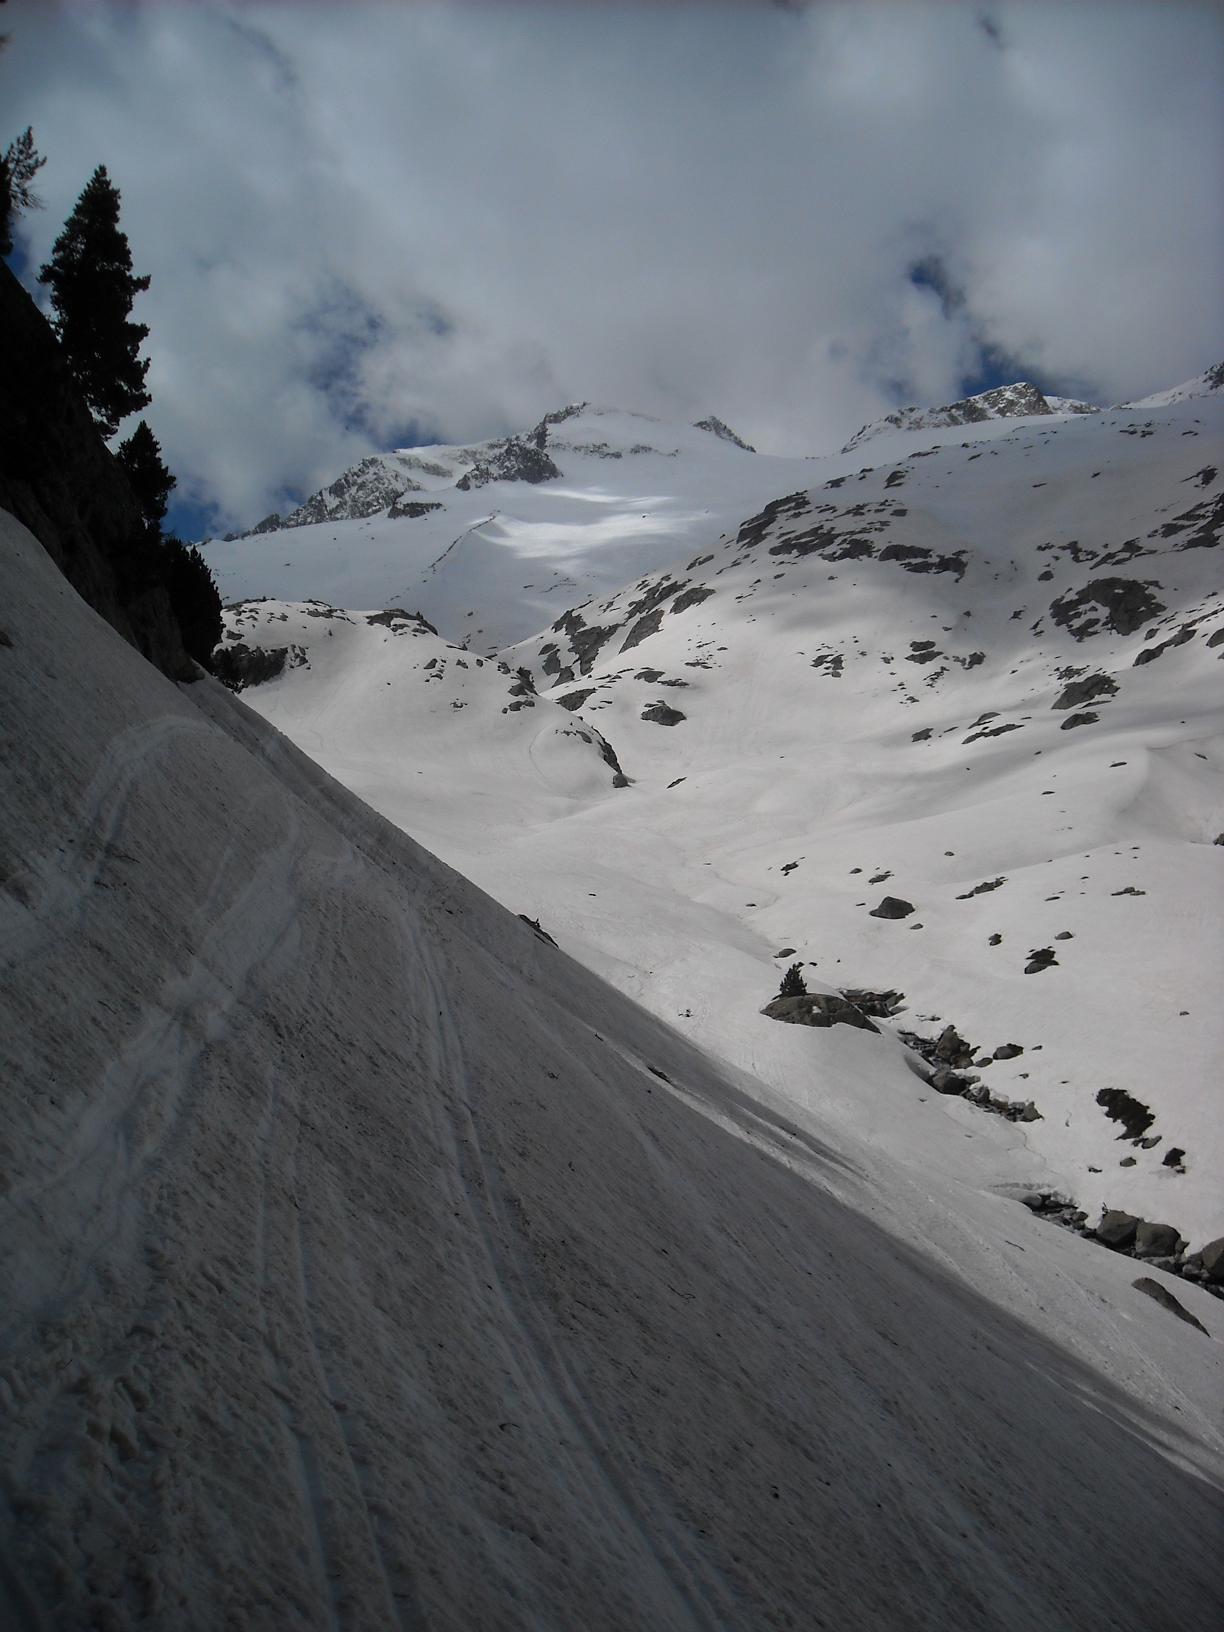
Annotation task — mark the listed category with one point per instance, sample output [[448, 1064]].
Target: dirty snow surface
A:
[[368, 1261]]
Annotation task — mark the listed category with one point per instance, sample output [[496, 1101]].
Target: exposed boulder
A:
[[1117, 1229], [1212, 1256], [660, 714], [818, 1009], [1122, 1107], [892, 906], [1155, 1240]]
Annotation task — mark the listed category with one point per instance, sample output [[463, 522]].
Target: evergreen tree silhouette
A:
[[92, 289], [152, 483], [194, 597], [793, 983], [19, 165]]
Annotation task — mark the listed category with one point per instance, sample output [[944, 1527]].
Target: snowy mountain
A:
[[983, 680], [367, 1262], [492, 541], [1018, 401], [1202, 385]]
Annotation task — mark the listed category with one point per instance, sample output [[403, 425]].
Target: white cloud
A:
[[358, 217]]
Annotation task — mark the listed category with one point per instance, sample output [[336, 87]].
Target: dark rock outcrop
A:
[[660, 714], [818, 1009], [1087, 690], [1212, 1256], [514, 461], [1122, 605], [239, 665], [723, 432], [1122, 1107], [60, 480]]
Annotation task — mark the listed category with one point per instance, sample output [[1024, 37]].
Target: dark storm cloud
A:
[[363, 220]]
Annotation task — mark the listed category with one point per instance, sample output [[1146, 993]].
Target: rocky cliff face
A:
[[367, 489], [58, 478]]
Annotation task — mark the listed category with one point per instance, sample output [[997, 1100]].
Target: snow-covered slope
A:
[[985, 680], [366, 1262], [1202, 385]]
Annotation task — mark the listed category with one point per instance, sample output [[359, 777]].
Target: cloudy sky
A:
[[372, 224]]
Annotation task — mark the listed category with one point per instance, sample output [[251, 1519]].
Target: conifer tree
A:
[[20, 164], [92, 289], [152, 483], [194, 598], [793, 983]]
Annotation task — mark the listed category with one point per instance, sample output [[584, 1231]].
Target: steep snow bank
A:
[[366, 1263]]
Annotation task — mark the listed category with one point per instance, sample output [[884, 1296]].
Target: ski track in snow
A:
[[543, 1374]]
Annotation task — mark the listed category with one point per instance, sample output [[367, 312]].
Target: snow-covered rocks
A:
[[1019, 401]]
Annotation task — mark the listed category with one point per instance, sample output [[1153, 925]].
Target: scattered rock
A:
[[1155, 1240], [1086, 690], [1008, 1051], [1117, 1229], [1122, 1107], [879, 1004], [892, 906], [1211, 1258], [1040, 958], [1174, 1157], [534, 924], [661, 714], [1072, 720], [982, 889]]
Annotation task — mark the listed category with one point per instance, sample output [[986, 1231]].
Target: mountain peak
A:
[[717, 427], [1020, 400]]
